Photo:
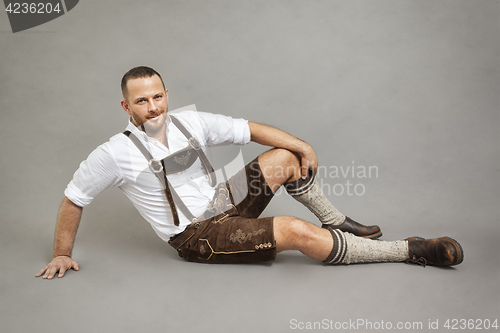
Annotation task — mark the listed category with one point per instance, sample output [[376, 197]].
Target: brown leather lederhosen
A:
[[236, 235]]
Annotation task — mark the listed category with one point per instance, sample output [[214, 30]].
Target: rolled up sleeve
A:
[[220, 130], [96, 174]]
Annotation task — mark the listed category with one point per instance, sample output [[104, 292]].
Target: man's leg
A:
[[336, 247], [292, 233], [282, 167]]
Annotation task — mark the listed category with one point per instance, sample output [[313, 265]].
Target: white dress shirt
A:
[[119, 162]]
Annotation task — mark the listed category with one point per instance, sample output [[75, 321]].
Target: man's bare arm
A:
[[68, 220], [274, 137]]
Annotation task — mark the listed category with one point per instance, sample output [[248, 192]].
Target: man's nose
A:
[[153, 106]]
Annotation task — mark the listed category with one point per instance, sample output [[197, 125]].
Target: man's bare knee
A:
[[279, 166], [292, 233]]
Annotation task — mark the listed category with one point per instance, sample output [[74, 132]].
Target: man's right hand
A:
[[59, 264]]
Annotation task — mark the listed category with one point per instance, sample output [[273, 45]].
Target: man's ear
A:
[[166, 95], [125, 106]]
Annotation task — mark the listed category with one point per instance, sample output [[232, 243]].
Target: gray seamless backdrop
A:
[[411, 87]]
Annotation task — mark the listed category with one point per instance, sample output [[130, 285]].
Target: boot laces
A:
[[420, 261]]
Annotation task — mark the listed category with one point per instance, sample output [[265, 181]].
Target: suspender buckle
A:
[[194, 143], [155, 165]]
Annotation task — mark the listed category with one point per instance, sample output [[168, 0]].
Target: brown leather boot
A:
[[357, 229], [443, 251]]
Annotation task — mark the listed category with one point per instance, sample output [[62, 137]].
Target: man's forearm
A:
[[68, 220], [274, 137]]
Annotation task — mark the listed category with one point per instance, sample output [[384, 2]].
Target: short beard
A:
[[153, 129]]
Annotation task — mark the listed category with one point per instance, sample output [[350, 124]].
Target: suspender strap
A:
[[159, 170], [173, 198], [139, 145], [207, 167]]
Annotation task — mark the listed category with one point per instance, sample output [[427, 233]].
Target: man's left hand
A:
[[309, 161]]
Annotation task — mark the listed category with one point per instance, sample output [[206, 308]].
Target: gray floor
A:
[[131, 281], [410, 87]]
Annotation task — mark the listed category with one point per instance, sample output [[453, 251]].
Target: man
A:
[[159, 163]]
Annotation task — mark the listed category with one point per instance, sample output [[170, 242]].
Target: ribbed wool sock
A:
[[309, 193], [350, 249]]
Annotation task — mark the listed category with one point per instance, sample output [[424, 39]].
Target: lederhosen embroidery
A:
[[241, 237], [176, 162]]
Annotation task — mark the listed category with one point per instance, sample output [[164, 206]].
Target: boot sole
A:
[[373, 236]]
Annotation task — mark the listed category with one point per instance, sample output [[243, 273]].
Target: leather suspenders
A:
[[176, 162], [195, 144]]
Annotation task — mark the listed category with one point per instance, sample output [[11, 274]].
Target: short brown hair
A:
[[137, 73]]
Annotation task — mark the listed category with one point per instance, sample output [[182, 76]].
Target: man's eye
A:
[[158, 97], [140, 101]]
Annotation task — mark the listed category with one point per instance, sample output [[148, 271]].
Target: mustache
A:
[[153, 115], [156, 114], [144, 121]]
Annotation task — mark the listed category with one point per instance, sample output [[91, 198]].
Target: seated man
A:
[[160, 165]]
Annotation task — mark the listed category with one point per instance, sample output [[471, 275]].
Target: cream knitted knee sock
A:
[[350, 249], [309, 193]]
